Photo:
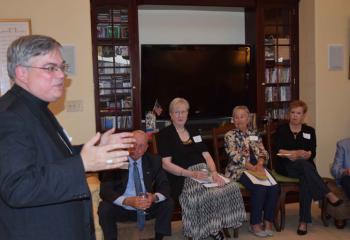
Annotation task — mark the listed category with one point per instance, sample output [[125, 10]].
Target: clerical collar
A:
[[29, 97]]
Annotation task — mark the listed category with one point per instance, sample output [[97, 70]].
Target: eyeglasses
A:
[[178, 113], [52, 68]]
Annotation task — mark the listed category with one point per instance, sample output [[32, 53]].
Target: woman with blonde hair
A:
[[205, 211]]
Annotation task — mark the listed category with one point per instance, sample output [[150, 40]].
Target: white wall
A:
[[307, 65], [190, 26], [324, 22], [332, 87], [68, 22]]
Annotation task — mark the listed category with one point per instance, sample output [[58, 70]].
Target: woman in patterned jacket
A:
[[247, 157]]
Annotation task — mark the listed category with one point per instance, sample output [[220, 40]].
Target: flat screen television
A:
[[213, 78]]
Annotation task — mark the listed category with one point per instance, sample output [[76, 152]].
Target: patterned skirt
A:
[[208, 210]]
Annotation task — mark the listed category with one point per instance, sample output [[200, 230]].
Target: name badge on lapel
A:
[[306, 135], [197, 139], [253, 138]]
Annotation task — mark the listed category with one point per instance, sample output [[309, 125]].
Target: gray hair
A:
[[176, 101], [24, 48], [240, 107]]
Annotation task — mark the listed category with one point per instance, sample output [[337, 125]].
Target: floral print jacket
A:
[[237, 148]]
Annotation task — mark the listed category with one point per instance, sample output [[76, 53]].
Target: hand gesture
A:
[[103, 157], [125, 139]]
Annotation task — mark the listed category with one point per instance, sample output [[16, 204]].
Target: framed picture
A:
[[10, 29]]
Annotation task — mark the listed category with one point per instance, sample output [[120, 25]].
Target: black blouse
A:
[[183, 154], [284, 139]]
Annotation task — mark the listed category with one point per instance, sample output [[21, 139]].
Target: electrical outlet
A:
[[74, 106]]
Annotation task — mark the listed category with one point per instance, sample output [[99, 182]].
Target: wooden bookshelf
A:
[[271, 28]]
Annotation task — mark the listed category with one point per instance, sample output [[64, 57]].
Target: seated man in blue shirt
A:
[[121, 192], [341, 165]]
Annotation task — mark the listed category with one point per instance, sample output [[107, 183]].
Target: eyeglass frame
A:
[[52, 68], [182, 113]]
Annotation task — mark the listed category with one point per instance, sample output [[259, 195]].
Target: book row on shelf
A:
[[277, 75], [120, 122], [102, 63], [121, 92], [118, 31], [105, 52], [117, 16], [111, 103], [277, 113], [119, 62], [116, 70], [108, 84], [280, 93], [117, 79]]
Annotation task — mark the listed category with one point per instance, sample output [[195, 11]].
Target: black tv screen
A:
[[213, 78]]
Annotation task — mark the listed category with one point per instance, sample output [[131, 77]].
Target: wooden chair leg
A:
[[277, 219], [324, 215], [226, 233], [282, 210], [235, 232]]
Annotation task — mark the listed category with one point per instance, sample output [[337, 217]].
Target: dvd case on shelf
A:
[[284, 75], [271, 94], [270, 75], [277, 113]]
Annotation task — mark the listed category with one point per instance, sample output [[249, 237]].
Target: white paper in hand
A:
[[212, 184]]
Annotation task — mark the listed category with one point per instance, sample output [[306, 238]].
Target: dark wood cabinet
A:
[[115, 60], [271, 27]]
